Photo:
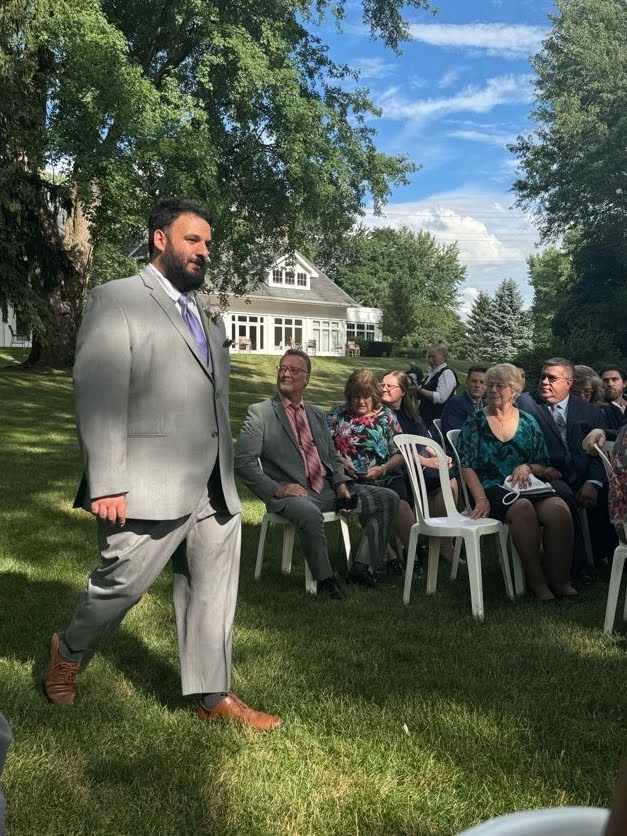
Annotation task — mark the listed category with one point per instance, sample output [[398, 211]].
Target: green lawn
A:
[[398, 720]]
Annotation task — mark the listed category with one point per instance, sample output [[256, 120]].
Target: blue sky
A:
[[460, 92]]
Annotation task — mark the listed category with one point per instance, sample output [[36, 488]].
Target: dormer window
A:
[[277, 275], [289, 277], [301, 279]]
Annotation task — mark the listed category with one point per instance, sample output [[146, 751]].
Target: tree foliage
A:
[[236, 105], [478, 343], [573, 163], [413, 278]]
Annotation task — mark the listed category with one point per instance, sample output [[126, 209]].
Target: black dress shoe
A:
[[332, 588], [366, 579]]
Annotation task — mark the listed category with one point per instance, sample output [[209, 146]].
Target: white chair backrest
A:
[[605, 459], [437, 423], [452, 436], [410, 447]]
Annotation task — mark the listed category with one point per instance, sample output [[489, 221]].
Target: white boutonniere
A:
[[214, 312]]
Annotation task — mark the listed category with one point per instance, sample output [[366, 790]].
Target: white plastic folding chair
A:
[[453, 525], [437, 423], [618, 563], [518, 571], [289, 532]]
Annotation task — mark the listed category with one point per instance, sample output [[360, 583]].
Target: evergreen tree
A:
[[509, 329], [477, 328]]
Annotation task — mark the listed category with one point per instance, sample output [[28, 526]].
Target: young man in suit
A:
[[459, 407], [151, 381], [614, 381], [301, 476], [564, 420]]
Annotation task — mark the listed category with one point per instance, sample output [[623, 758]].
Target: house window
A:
[[301, 279], [277, 275], [248, 327], [289, 277], [326, 333], [288, 331], [360, 330]]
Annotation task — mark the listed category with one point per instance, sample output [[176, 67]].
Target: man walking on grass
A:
[[151, 384]]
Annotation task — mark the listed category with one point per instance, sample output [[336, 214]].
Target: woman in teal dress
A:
[[501, 442]]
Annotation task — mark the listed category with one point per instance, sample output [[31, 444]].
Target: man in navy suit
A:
[[459, 407], [564, 420]]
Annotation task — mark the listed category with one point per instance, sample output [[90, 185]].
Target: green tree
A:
[[551, 276], [510, 328], [413, 278], [236, 105], [478, 342], [573, 163]]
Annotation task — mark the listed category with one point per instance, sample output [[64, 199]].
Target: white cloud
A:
[[373, 68], [503, 39], [493, 240], [448, 79], [500, 90], [485, 136]]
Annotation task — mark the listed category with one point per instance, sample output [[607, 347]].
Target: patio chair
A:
[[289, 532], [352, 349], [18, 340], [454, 524], [311, 347], [618, 564]]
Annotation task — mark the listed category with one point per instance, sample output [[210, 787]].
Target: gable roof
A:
[[321, 288]]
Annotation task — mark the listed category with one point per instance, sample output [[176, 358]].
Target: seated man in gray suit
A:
[[302, 476], [151, 385]]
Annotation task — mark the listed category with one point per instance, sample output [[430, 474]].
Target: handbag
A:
[[536, 487]]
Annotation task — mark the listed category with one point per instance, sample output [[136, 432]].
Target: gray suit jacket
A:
[[152, 419], [267, 438]]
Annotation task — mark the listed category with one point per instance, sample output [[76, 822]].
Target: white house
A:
[[297, 304], [12, 331]]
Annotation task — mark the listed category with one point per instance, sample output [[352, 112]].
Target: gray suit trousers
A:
[[205, 552], [377, 509]]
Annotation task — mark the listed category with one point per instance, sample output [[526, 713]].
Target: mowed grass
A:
[[398, 720]]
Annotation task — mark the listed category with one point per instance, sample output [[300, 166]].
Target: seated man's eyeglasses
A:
[[291, 370], [553, 377]]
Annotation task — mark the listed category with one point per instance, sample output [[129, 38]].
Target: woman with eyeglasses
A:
[[397, 394], [363, 431], [499, 442]]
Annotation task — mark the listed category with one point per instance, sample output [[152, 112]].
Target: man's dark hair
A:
[[613, 369], [167, 211], [560, 361], [298, 352], [480, 369]]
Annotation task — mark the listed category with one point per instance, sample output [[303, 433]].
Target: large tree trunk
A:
[[65, 302]]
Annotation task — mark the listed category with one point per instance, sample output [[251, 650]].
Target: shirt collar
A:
[[169, 288]]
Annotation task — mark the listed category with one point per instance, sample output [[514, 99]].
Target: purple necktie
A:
[[195, 327]]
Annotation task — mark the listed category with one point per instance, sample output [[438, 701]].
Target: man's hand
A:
[[290, 489], [593, 437], [342, 491], [587, 495], [551, 474], [349, 467], [110, 508]]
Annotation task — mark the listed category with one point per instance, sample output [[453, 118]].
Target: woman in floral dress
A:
[[363, 431]]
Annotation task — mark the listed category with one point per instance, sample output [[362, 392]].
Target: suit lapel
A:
[[545, 418], [285, 421], [168, 305]]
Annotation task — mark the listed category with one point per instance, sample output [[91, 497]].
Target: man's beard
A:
[[176, 271]]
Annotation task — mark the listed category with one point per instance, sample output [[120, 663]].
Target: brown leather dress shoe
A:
[[232, 708], [60, 676]]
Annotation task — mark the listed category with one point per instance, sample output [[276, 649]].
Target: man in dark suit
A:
[[151, 382], [564, 420], [459, 407], [301, 476], [614, 381]]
